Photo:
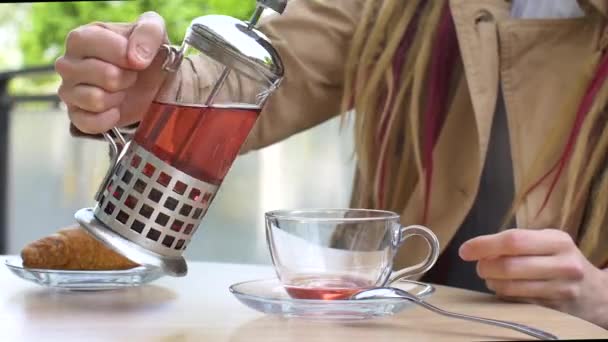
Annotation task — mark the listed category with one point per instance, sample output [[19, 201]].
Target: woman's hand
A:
[[543, 267], [110, 73]]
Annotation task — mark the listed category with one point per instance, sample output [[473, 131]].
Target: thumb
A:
[[147, 36]]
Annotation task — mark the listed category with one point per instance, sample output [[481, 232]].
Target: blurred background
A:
[[49, 174]]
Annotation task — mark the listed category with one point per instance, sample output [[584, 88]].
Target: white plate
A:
[[269, 296], [84, 280]]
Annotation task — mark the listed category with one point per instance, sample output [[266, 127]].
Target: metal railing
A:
[[7, 102]]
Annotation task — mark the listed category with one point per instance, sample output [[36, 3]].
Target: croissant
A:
[[72, 248]]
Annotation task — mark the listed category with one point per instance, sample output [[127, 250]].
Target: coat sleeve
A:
[[313, 38]]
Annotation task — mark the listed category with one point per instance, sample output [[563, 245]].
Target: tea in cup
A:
[[334, 253]]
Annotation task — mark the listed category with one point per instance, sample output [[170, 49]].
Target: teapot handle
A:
[[174, 57], [118, 143], [117, 146]]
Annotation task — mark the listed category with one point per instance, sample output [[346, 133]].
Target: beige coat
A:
[[535, 60]]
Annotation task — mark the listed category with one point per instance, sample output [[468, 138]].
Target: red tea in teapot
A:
[[202, 141]]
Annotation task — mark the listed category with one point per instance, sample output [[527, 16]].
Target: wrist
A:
[[599, 314]]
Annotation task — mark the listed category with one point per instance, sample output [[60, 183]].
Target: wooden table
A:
[[200, 308]]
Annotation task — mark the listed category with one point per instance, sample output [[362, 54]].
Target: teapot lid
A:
[[236, 45]]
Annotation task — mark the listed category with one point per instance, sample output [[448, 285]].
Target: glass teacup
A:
[[334, 253]]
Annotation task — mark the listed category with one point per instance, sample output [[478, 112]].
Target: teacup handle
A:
[[431, 258]]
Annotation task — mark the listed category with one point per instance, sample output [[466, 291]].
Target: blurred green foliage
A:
[[42, 34]]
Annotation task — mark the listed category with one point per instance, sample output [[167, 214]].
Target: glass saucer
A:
[[269, 296], [84, 280]]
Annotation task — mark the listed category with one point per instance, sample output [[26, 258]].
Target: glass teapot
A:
[[161, 183]]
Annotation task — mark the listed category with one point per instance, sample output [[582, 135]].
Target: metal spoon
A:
[[391, 292]]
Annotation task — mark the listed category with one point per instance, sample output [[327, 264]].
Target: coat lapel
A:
[[469, 121]]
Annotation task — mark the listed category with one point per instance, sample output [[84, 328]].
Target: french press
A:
[[161, 183]]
